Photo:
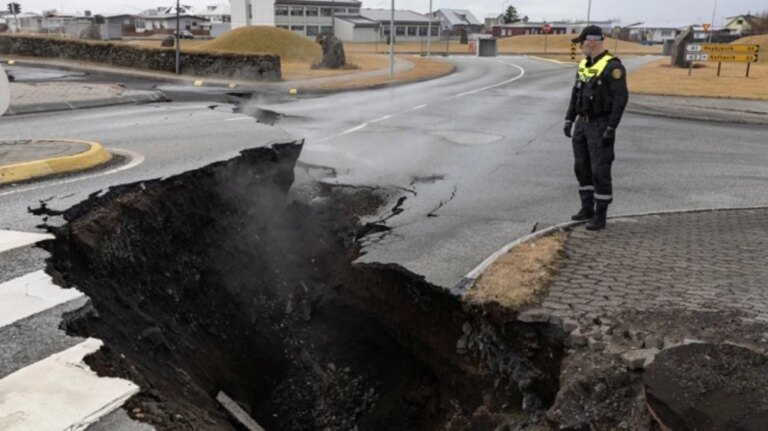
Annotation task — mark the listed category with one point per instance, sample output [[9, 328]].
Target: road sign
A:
[[738, 58], [547, 28], [722, 57], [721, 47]]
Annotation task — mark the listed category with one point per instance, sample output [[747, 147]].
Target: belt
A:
[[587, 118]]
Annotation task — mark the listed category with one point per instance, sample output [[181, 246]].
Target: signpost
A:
[[721, 52], [546, 29]]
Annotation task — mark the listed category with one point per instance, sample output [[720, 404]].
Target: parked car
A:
[[185, 34]]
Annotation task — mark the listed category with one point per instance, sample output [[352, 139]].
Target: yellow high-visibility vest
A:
[[586, 74]]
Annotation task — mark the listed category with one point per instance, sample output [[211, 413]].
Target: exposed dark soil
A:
[[212, 281]]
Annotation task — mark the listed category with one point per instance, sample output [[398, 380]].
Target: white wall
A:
[[240, 13], [263, 12], [252, 12]]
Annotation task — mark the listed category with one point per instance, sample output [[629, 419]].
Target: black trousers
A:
[[593, 161]]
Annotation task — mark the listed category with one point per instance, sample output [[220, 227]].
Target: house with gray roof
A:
[[457, 20]]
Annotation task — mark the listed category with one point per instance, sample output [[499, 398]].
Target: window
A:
[[284, 27], [666, 33], [434, 30], [325, 11], [311, 11], [412, 31], [281, 10], [400, 30], [326, 29], [386, 31], [353, 11], [340, 11], [422, 31], [312, 30], [297, 11], [299, 28], [250, 11]]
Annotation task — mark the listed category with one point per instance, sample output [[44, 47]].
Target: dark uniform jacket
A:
[[603, 95]]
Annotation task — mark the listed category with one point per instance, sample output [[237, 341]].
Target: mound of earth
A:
[[266, 40]]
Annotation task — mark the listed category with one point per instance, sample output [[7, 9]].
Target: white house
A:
[[167, 23], [456, 20], [742, 25], [409, 25]]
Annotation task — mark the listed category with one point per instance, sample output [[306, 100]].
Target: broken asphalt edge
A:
[[469, 280], [155, 96], [94, 156]]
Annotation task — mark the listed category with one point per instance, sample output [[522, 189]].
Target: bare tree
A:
[[760, 23]]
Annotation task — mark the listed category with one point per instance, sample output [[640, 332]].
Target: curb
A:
[[94, 156], [468, 281], [319, 91], [84, 104], [680, 115]]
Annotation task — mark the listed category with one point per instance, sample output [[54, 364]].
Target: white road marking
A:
[[31, 294], [416, 108], [522, 73], [240, 119], [60, 393], [11, 239], [136, 160]]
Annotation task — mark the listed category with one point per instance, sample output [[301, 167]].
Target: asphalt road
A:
[[492, 134]]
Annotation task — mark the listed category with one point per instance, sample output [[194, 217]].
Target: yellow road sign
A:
[[725, 47], [739, 58]]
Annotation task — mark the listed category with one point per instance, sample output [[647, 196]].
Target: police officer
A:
[[598, 100]]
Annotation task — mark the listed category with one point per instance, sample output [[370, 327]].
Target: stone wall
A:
[[236, 66]]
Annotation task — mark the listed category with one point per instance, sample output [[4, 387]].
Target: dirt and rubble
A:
[[213, 281], [227, 279]]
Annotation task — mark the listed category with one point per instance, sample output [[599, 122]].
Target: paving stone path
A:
[[700, 261]]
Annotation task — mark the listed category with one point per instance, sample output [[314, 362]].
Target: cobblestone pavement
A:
[[700, 261]]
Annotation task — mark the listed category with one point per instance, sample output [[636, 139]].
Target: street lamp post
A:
[[392, 41], [616, 40], [712, 24], [429, 31], [333, 17], [178, 35], [589, 11]]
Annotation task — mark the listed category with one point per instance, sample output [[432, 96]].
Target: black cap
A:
[[591, 32]]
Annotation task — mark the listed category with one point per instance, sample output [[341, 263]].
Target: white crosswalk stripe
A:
[[59, 392], [11, 239], [31, 294]]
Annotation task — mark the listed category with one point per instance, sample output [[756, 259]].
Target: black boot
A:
[[586, 212], [598, 221]]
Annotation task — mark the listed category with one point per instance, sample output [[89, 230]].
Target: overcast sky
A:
[[628, 11]]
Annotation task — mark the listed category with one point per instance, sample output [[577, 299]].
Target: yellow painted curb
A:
[[90, 158]]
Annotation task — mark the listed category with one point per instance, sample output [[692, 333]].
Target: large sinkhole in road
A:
[[213, 281]]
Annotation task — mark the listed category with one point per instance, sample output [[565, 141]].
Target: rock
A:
[[168, 42], [638, 359], [91, 33], [577, 339], [535, 315], [569, 325], [708, 386], [596, 345], [333, 53], [653, 342], [678, 49]]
